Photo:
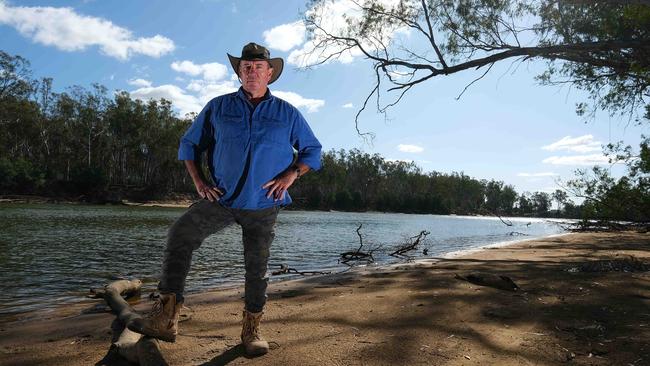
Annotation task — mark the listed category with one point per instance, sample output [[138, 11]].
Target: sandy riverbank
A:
[[415, 314]]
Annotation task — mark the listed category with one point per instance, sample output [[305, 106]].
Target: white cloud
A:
[[535, 175], [139, 83], [213, 81], [348, 105], [206, 90], [66, 30], [210, 71], [286, 36], [581, 144], [298, 101], [334, 16], [184, 102], [593, 159], [410, 148]]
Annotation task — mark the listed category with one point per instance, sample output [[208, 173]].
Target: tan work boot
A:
[[251, 338], [162, 321]]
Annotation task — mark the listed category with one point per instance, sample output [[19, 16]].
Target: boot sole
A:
[[257, 351], [150, 332]]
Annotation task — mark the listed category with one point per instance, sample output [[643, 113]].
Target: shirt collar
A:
[[242, 94]]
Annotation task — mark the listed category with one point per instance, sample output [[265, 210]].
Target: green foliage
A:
[[356, 181], [15, 77], [608, 198], [89, 180], [20, 176], [616, 80], [343, 201], [82, 140]]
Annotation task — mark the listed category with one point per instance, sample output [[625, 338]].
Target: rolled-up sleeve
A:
[[303, 140], [198, 137]]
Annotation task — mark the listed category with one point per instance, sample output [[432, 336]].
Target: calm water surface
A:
[[51, 254]]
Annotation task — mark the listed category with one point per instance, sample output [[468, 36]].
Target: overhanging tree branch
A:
[[478, 33]]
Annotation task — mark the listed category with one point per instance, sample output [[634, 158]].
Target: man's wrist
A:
[[296, 169]]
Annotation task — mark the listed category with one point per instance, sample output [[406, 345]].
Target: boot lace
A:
[[156, 308], [251, 328]]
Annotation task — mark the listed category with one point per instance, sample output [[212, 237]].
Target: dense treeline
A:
[[354, 180], [84, 144], [81, 142]]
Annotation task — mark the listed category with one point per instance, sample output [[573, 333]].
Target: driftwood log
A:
[[134, 347]]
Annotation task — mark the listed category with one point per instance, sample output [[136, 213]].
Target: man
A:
[[250, 137]]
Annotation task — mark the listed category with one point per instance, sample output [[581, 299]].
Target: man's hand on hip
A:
[[278, 186], [208, 192], [204, 190]]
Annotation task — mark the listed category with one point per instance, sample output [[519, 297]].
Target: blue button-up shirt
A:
[[248, 146]]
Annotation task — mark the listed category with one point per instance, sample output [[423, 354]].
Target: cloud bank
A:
[[211, 80], [67, 30], [581, 144]]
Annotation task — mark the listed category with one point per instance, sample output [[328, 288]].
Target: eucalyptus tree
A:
[[560, 197]]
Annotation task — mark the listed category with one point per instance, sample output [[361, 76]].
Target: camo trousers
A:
[[204, 218]]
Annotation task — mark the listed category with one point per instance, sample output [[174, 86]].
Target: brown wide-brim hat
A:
[[255, 52]]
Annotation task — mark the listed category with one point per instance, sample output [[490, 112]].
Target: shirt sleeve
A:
[[303, 140], [198, 137]]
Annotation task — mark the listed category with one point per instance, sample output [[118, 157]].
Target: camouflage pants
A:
[[205, 218]]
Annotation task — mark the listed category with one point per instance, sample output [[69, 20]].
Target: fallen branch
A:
[[285, 269], [411, 244], [358, 255], [132, 346], [507, 223]]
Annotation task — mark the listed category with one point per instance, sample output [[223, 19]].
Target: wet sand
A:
[[409, 314]]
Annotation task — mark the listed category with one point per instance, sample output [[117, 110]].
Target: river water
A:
[[52, 254]]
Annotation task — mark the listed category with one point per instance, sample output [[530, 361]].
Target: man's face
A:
[[255, 76]]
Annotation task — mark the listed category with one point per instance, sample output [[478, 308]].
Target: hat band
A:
[[254, 56]]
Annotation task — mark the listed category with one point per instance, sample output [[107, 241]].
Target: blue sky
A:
[[504, 127]]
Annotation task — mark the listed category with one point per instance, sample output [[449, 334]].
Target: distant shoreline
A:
[[187, 202], [180, 203]]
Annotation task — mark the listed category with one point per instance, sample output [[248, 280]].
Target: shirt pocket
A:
[[273, 130], [231, 127]]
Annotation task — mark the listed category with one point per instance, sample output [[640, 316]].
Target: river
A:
[[51, 254]]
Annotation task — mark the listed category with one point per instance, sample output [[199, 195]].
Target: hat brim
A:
[[277, 64]]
